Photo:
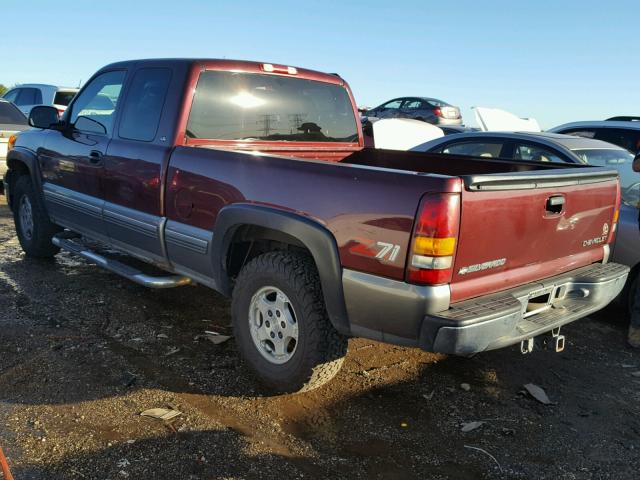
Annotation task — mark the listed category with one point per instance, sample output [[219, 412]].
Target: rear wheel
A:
[[281, 325], [33, 226]]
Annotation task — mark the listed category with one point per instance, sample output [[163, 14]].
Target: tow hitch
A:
[[558, 341], [526, 346]]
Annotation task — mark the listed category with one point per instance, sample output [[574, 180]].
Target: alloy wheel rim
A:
[[273, 325], [26, 217]]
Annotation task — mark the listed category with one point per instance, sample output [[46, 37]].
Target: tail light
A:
[[616, 213], [437, 112], [435, 235]]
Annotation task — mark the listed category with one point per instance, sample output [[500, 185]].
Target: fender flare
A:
[[29, 159], [315, 237]]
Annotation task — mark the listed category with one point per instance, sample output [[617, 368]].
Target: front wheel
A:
[[281, 325], [33, 226]]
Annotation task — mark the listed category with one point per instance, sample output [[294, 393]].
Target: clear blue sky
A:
[[556, 60]]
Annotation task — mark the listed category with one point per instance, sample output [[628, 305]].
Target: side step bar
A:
[[120, 268]]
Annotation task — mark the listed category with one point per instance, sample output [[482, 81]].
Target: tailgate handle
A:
[[555, 204]]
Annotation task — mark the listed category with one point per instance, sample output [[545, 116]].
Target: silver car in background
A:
[[624, 132], [530, 147], [12, 121], [29, 95], [554, 147], [621, 131], [430, 110]]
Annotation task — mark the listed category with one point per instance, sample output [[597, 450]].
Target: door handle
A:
[[95, 157], [555, 204]]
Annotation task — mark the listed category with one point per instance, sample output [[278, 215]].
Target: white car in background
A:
[[29, 95]]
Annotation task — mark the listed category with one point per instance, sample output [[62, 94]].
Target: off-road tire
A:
[[39, 245], [320, 350]]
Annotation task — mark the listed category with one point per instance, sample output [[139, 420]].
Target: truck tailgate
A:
[[518, 229]]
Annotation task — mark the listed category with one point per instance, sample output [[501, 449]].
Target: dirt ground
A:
[[83, 352]]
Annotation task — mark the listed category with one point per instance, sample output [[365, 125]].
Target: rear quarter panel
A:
[[358, 205]]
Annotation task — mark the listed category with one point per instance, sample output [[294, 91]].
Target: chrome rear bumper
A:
[[503, 319], [396, 312]]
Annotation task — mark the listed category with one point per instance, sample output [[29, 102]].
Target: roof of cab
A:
[[228, 65]]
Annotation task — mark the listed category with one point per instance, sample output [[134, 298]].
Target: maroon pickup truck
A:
[[252, 179]]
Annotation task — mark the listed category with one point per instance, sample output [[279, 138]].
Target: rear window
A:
[[63, 98], [10, 115], [437, 103], [475, 149], [247, 106]]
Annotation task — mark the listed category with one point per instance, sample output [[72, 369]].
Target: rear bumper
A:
[[396, 312]]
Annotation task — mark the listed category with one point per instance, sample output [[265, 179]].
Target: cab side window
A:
[[143, 106], [94, 110]]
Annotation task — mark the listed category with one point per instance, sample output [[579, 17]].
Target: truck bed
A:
[[372, 196]]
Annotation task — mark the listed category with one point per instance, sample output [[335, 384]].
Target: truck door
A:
[[72, 161], [135, 162]]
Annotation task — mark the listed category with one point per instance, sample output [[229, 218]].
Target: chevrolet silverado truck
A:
[[252, 179]]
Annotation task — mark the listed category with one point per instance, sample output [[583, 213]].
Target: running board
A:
[[120, 268]]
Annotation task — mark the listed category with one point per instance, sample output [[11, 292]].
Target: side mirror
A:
[[43, 117], [636, 163]]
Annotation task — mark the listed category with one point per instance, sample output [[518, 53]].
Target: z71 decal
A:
[[381, 250]]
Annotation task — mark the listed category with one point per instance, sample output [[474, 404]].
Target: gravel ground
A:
[[83, 352]]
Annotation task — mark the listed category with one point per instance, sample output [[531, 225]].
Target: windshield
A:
[[10, 115], [244, 106], [622, 161]]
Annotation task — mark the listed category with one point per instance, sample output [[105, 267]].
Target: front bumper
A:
[[396, 312]]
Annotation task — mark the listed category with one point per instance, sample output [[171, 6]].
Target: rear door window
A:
[[248, 106], [412, 105], [143, 106], [486, 149], [29, 96]]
